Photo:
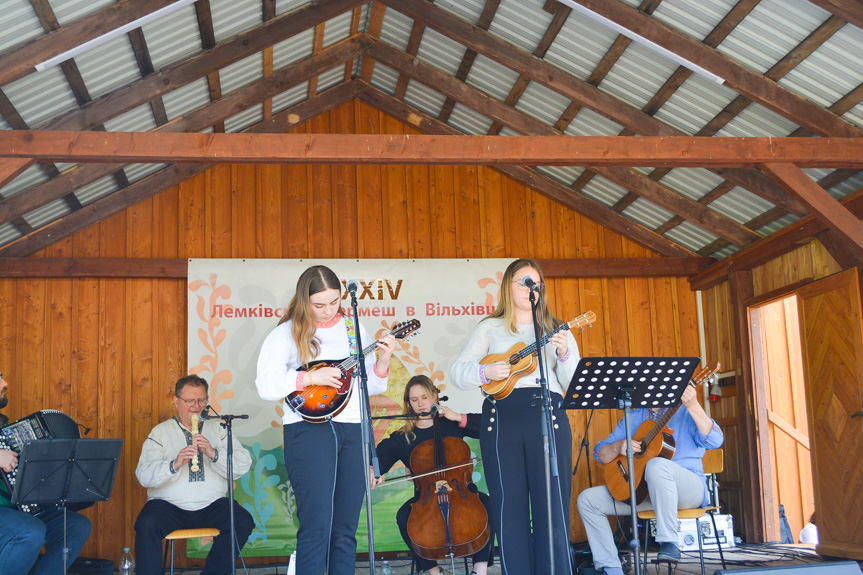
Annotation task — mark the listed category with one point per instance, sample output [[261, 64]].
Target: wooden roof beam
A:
[[165, 178], [575, 89], [533, 179], [604, 151], [194, 121], [785, 240], [751, 84], [848, 10], [182, 73], [825, 207]]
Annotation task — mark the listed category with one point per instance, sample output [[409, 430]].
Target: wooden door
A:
[[832, 338]]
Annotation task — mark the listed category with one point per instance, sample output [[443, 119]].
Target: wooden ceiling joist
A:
[[753, 85], [196, 121], [172, 77], [533, 179], [160, 147], [575, 89], [167, 177]]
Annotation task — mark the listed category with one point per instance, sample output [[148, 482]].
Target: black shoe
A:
[[668, 552]]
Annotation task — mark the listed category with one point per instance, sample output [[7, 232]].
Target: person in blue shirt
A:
[[672, 484]]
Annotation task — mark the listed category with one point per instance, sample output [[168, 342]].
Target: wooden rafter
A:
[[533, 179], [195, 121], [771, 247], [204, 15], [376, 24], [20, 62], [822, 205], [848, 10], [576, 90], [505, 115], [751, 84], [167, 177], [160, 147], [172, 77]]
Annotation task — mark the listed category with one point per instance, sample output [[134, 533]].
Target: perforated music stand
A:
[[63, 471], [624, 383]]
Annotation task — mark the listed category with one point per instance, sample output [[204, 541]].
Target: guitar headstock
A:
[[587, 319], [703, 374], [406, 329]]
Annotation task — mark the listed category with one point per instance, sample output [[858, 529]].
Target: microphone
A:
[[205, 414], [353, 286], [528, 282], [433, 410]]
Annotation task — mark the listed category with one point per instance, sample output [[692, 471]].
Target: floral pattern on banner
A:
[[211, 338]]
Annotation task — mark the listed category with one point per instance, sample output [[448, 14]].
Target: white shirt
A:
[[184, 488], [279, 361]]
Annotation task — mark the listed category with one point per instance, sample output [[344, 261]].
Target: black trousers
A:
[[158, 518], [404, 513], [513, 457], [325, 467]]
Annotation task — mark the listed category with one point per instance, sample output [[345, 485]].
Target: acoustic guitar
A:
[[522, 358], [319, 403], [656, 441]]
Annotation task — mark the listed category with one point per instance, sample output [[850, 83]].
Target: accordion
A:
[[45, 424]]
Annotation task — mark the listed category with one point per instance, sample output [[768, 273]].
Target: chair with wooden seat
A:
[[183, 534], [713, 463]]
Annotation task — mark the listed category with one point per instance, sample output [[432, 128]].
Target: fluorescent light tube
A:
[[99, 40], [643, 41]]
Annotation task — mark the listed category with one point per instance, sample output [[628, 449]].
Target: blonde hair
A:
[[314, 280], [506, 309], [426, 383]]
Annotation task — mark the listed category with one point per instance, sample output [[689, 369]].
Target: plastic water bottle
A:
[[127, 562], [385, 570]]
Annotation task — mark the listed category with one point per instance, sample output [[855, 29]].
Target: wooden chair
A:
[[713, 463], [184, 534]]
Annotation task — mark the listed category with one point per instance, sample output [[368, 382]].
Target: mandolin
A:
[[319, 403], [656, 441], [522, 358]]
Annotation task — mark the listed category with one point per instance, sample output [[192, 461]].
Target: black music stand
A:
[[624, 383], [57, 472]]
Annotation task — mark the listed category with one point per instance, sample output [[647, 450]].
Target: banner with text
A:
[[233, 304]]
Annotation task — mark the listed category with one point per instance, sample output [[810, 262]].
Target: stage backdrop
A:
[[233, 305]]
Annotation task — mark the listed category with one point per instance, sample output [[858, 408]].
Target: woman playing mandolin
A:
[[419, 397], [511, 434], [323, 458]]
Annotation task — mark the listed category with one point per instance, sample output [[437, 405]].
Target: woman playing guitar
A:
[[420, 394], [511, 434], [323, 458]]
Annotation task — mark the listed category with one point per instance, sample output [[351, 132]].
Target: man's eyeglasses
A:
[[191, 402]]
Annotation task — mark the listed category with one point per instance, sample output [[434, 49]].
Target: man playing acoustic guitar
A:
[[672, 484]]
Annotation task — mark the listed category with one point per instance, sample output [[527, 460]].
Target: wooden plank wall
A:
[[107, 351], [808, 262]]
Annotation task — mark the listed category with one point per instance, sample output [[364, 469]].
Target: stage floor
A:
[[742, 557]]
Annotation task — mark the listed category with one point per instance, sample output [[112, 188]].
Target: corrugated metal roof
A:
[[29, 177], [694, 104], [291, 49], [8, 233], [441, 52], [186, 98], [496, 80], [331, 77], [566, 175], [690, 235], [337, 29], [173, 38], [580, 46], [384, 78], [285, 6], [740, 205], [241, 121], [242, 72], [589, 123], [604, 191], [468, 121], [542, 103], [756, 120], [47, 213], [40, 97], [108, 67], [139, 119], [512, 23], [637, 75], [93, 191], [691, 182], [68, 11], [290, 97], [469, 10], [424, 98], [232, 17], [20, 24], [647, 213], [135, 172], [695, 18]]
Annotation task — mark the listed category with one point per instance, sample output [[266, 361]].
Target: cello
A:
[[448, 520]]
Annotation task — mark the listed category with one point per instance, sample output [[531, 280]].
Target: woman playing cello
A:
[[419, 396]]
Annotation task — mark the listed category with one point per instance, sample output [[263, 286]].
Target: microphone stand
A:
[[549, 447], [227, 423], [370, 455]]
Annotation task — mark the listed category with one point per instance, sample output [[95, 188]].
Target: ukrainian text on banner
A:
[[233, 304]]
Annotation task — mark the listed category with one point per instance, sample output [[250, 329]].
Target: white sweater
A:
[[184, 488], [279, 360], [492, 337]]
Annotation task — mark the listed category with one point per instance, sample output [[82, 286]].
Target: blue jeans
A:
[[22, 536]]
